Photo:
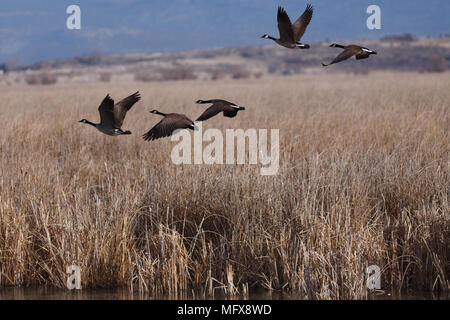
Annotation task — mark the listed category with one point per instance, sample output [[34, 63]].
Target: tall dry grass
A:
[[364, 180]]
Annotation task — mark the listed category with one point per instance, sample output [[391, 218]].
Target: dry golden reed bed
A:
[[364, 179]]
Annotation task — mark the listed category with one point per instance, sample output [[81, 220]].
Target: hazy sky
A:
[[32, 30]]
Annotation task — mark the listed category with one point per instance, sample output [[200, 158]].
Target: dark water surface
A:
[[126, 294]]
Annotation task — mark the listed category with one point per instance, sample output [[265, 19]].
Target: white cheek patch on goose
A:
[[367, 50]]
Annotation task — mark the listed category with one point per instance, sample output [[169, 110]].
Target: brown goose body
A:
[[167, 125], [229, 109], [112, 115], [350, 51], [291, 34]]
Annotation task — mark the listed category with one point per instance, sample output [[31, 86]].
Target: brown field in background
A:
[[364, 179]]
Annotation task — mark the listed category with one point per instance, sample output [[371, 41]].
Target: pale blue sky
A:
[[33, 30]]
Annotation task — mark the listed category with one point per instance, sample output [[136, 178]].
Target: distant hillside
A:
[[394, 53]]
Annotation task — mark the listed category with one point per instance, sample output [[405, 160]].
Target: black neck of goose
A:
[[91, 123], [271, 38], [205, 101], [160, 113], [339, 46]]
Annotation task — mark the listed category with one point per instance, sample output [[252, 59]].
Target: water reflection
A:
[[126, 294], [63, 294]]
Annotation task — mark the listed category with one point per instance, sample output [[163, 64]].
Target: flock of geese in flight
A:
[[113, 114]]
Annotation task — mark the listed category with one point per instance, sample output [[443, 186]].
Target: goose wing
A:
[[284, 26], [217, 107], [216, 101], [347, 53], [210, 112], [121, 108], [363, 55], [106, 110], [167, 126], [299, 26], [230, 112]]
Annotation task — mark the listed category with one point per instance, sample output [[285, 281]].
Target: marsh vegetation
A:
[[364, 179]]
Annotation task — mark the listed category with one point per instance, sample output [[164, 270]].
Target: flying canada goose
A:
[[112, 115], [349, 51], [290, 34], [168, 124], [229, 109]]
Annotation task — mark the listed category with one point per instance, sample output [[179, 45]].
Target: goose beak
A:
[[374, 52]]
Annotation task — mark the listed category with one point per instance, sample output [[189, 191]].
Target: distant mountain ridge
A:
[[394, 53]]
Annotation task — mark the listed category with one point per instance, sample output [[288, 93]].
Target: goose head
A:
[[265, 36], [154, 111], [87, 122]]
